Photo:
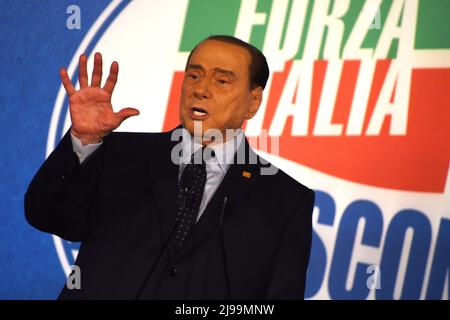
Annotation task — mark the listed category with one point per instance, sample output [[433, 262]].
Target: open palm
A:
[[90, 107]]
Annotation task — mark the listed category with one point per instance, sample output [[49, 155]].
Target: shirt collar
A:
[[223, 152]]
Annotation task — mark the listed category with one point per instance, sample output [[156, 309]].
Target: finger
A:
[[126, 113], [97, 72], [82, 71], [112, 78], [66, 82]]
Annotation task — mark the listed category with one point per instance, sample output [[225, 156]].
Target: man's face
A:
[[216, 88]]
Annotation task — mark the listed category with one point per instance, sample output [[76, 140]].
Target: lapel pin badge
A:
[[246, 174]]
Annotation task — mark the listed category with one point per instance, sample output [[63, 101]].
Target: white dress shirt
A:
[[216, 167]]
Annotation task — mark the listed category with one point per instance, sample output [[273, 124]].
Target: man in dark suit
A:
[[155, 223]]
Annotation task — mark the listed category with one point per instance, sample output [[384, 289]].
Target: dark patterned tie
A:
[[190, 193]]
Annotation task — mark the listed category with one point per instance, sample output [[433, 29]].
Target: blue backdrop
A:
[[34, 44]]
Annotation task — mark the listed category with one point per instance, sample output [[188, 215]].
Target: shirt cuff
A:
[[85, 151]]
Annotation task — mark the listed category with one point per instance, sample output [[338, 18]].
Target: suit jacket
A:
[[121, 204]]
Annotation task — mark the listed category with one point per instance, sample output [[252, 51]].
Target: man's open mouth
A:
[[199, 113]]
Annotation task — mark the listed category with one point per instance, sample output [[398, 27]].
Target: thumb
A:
[[126, 113]]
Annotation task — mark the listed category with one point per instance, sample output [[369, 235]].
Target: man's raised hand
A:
[[90, 107]]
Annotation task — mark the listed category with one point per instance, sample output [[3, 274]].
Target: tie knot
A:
[[202, 155]]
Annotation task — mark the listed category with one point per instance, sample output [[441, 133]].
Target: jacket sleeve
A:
[[289, 274], [59, 197]]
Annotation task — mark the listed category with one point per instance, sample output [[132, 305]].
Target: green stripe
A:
[[433, 24], [207, 17]]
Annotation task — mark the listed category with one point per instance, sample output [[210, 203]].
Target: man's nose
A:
[[202, 89]]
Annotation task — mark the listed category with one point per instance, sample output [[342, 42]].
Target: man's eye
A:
[[192, 76], [223, 81]]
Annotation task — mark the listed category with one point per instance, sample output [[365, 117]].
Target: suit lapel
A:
[[163, 185]]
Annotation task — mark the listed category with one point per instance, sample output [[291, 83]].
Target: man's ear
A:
[[255, 102]]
